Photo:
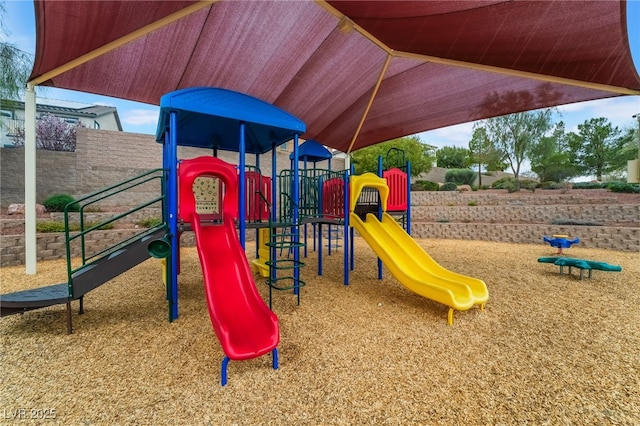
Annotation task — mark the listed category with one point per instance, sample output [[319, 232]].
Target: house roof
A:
[[356, 72], [67, 108]]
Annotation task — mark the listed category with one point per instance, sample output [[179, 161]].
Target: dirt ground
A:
[[548, 348]]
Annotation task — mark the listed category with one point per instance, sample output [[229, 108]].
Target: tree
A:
[[515, 134], [420, 155], [484, 153], [52, 133], [627, 149], [594, 148], [15, 65], [453, 157], [549, 158]]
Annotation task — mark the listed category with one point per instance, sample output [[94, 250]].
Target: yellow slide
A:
[[408, 262]]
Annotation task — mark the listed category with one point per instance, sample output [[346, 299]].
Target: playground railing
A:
[[310, 191], [84, 206], [258, 195]]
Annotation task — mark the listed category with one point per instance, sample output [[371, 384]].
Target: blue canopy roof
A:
[[312, 151], [210, 117]]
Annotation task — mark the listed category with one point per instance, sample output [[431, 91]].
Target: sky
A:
[[142, 118]]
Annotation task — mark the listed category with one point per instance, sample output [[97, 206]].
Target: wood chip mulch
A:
[[548, 348]]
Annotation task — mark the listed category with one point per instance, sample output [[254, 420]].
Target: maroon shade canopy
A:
[[356, 72]]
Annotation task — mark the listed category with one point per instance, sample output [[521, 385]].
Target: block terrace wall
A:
[[596, 214], [604, 237], [52, 246]]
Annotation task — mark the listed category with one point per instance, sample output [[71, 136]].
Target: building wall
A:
[[104, 158]]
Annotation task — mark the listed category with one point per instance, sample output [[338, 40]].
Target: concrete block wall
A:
[[545, 214], [623, 239], [103, 158], [52, 246], [55, 174], [481, 198]]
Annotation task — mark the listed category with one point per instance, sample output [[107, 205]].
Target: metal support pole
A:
[[295, 228], [30, 241], [172, 201], [379, 214], [242, 190], [409, 197]]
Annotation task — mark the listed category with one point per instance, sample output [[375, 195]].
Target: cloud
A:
[[458, 135], [617, 110], [140, 117]]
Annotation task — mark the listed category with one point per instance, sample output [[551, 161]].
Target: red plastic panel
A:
[[333, 198], [256, 184], [189, 170], [397, 182]]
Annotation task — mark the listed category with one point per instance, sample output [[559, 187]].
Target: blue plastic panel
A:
[[312, 151], [210, 117]]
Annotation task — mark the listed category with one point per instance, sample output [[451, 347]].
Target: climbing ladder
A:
[[284, 271]]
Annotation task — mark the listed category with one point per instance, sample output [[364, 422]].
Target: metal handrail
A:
[[151, 175]]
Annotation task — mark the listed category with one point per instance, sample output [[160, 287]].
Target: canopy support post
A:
[[30, 241]]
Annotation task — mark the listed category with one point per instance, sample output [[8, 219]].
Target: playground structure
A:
[[379, 208], [220, 202], [560, 242], [406, 260], [581, 264], [208, 196]]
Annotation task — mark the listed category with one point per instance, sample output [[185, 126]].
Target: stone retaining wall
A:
[[543, 214], [481, 198], [604, 237], [52, 246]]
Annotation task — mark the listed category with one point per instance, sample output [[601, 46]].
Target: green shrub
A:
[[449, 186], [589, 185], [460, 176], [49, 226], [472, 203], [511, 187], [504, 183], [104, 227], [52, 226], [56, 203], [150, 222], [575, 222], [552, 185], [630, 188], [427, 185]]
